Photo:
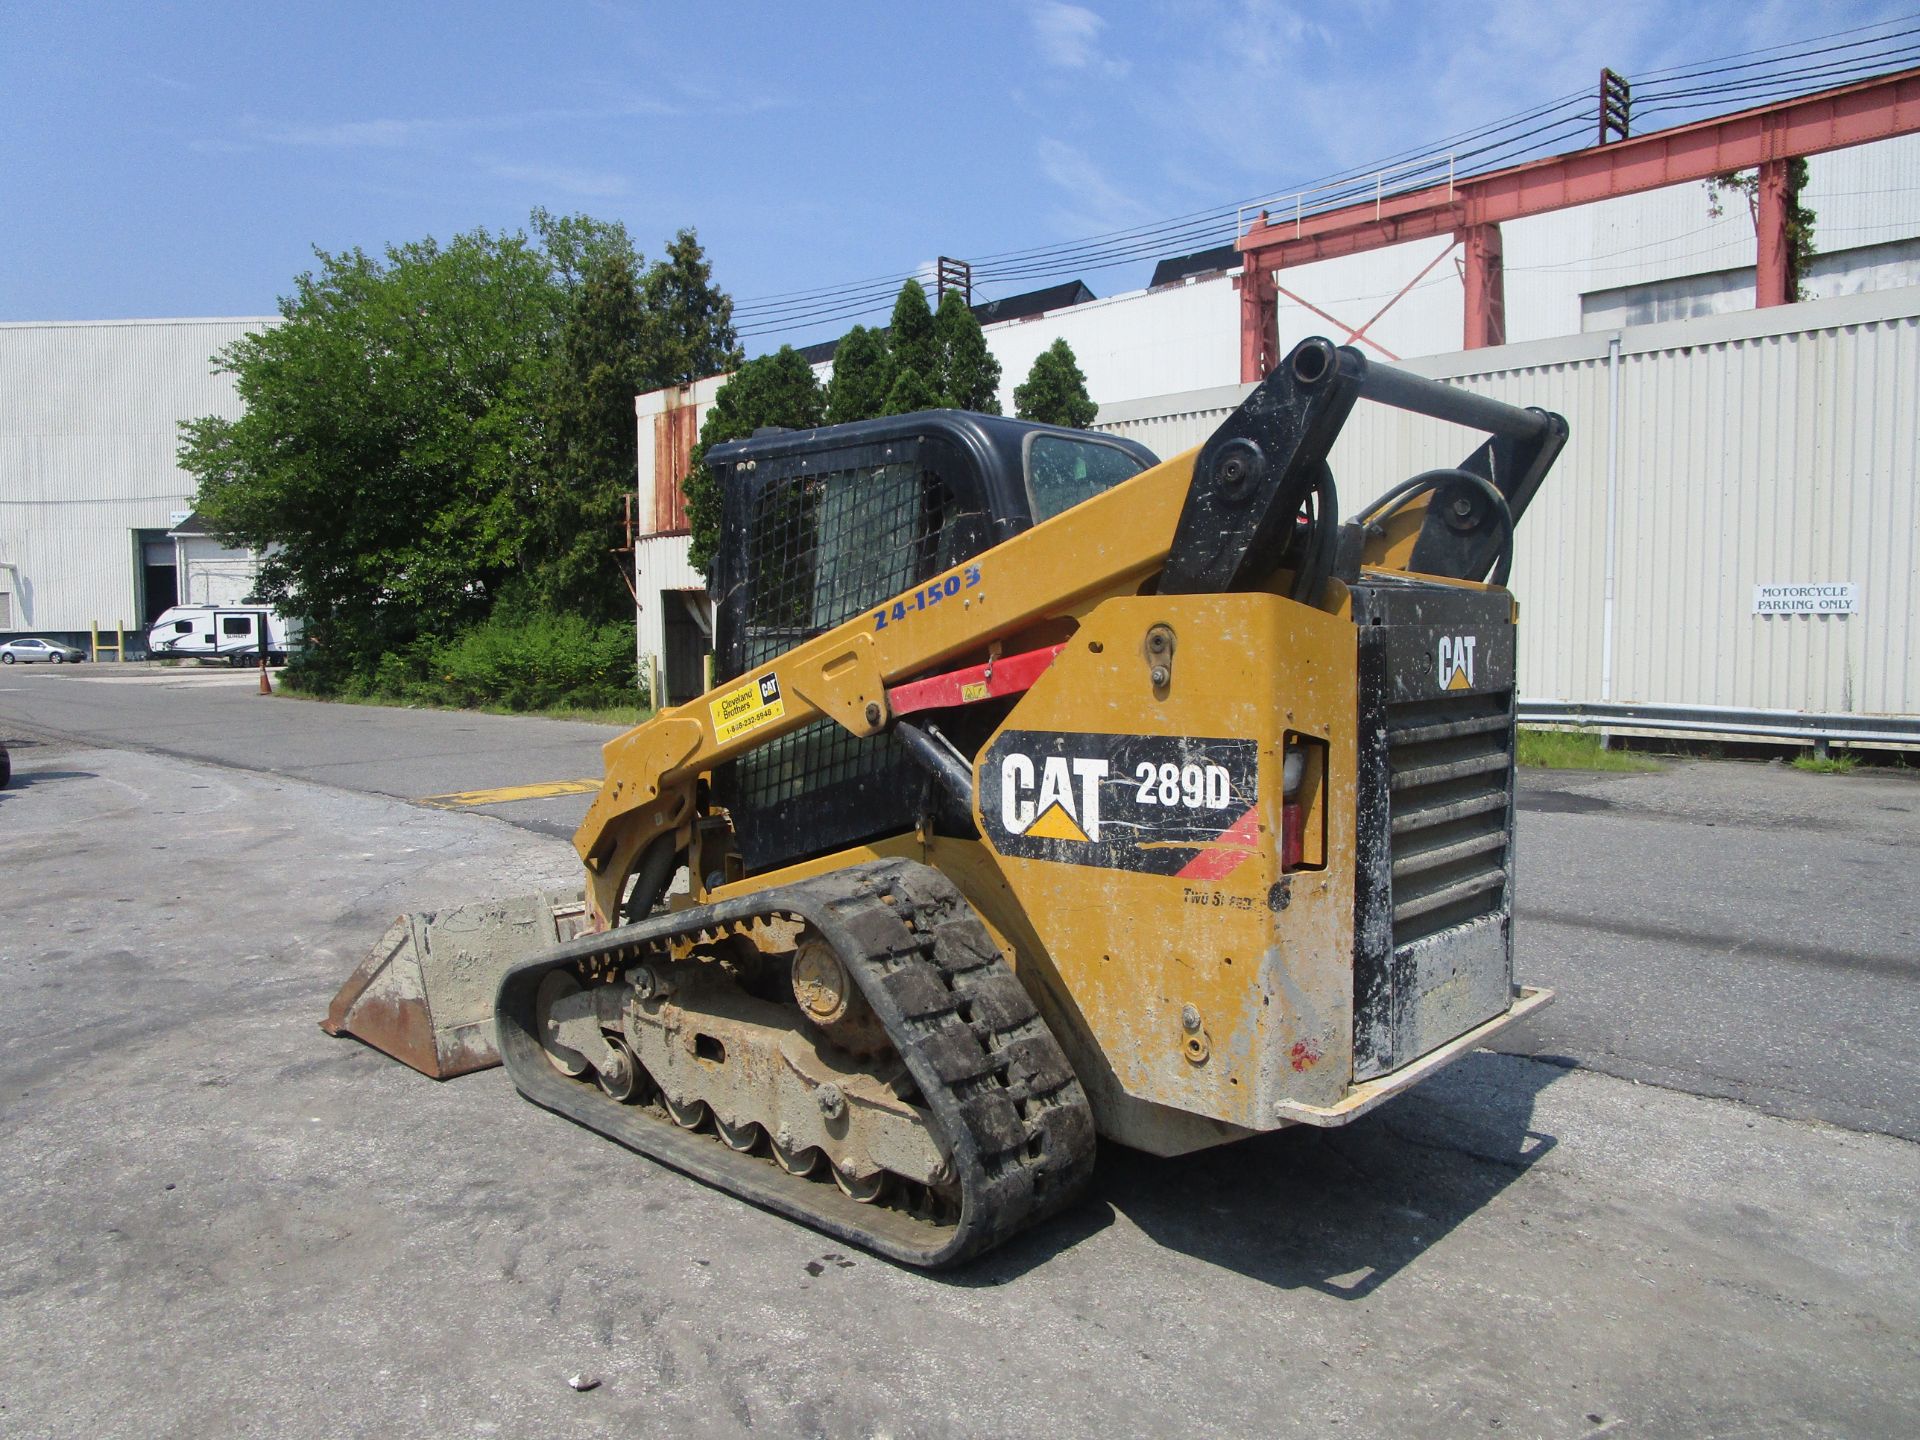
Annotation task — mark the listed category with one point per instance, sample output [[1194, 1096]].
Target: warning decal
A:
[[746, 707], [1155, 803]]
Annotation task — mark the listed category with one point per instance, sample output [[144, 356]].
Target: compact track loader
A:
[[1051, 792]]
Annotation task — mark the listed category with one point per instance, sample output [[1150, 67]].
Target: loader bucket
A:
[[424, 994]]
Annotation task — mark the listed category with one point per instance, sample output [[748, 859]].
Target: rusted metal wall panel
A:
[[675, 429], [669, 425]]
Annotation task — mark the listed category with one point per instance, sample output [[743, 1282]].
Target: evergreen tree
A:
[[862, 377], [969, 375], [608, 353], [776, 389], [910, 391], [910, 337], [690, 322], [1055, 392], [626, 333]]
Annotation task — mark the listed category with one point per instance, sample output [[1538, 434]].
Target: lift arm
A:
[[1224, 513]]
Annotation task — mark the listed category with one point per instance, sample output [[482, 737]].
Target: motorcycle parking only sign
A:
[[1839, 598]]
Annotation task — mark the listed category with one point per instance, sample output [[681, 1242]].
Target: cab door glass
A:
[[1063, 470]]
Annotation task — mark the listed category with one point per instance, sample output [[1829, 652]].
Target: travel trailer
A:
[[231, 632]]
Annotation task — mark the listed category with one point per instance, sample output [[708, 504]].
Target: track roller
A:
[[862, 1024]]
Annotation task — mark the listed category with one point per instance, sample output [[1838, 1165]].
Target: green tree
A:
[[432, 433], [862, 376], [910, 338], [969, 375], [389, 426], [910, 391], [776, 389], [691, 333], [1055, 392], [625, 334], [604, 359], [572, 243]]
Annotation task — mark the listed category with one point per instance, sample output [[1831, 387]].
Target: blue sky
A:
[[183, 159]]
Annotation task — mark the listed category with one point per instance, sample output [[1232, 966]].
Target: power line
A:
[[1487, 147]]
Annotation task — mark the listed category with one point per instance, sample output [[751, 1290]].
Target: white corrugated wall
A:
[[1774, 446], [1147, 342], [88, 429]]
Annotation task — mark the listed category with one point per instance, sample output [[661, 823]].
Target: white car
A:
[[52, 651]]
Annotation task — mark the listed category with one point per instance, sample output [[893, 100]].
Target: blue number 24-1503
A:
[[925, 596]]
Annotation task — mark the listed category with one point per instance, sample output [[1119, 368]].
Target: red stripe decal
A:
[[1224, 856], [1009, 675]]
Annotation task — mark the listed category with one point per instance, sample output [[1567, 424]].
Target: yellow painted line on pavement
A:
[[505, 794]]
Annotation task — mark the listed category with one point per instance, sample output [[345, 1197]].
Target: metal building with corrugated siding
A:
[[90, 490], [1711, 459]]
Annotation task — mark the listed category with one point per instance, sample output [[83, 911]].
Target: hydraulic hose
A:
[[1323, 536], [1399, 495]]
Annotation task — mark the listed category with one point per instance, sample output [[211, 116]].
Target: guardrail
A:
[[1417, 174], [1801, 726]]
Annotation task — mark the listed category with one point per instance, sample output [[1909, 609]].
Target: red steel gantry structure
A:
[[1768, 137]]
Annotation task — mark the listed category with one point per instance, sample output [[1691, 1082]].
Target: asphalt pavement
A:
[[216, 714], [220, 1221], [1729, 929]]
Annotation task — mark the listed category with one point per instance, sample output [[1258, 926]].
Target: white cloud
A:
[[1096, 202], [361, 134], [597, 184], [1268, 94], [389, 133], [1068, 36]]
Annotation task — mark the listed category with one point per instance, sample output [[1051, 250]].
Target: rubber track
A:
[[994, 1080]]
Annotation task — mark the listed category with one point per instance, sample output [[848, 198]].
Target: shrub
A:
[[526, 662], [519, 659]]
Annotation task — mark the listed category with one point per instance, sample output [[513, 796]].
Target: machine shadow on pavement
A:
[[1339, 1211], [27, 779], [20, 749]]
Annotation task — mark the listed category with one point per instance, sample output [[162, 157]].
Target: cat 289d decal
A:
[[1156, 803]]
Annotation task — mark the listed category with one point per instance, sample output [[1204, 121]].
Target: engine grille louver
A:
[[1450, 763]]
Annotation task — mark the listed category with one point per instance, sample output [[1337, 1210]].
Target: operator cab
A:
[[820, 525]]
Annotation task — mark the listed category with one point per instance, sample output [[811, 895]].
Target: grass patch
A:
[[1576, 750], [1825, 764], [628, 715]]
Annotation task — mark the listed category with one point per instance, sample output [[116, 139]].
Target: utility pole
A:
[[951, 274], [1616, 105]]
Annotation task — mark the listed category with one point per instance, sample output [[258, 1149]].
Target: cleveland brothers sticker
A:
[[746, 707]]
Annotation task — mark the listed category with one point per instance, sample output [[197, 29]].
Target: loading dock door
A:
[[159, 579]]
